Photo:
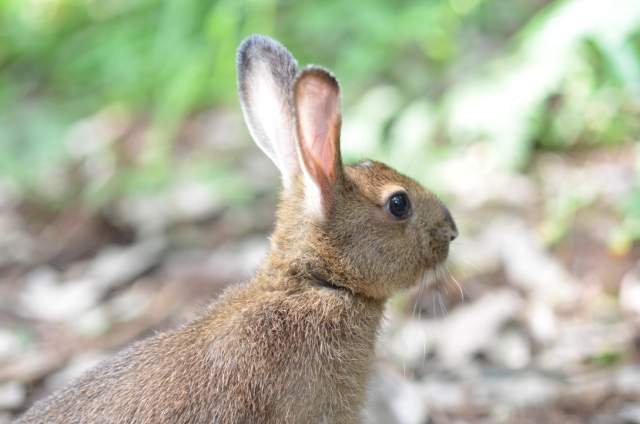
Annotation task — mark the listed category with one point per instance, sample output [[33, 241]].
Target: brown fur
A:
[[296, 343]]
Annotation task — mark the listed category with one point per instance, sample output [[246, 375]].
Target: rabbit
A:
[[296, 343]]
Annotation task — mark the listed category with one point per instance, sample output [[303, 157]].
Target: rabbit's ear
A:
[[316, 98], [266, 71]]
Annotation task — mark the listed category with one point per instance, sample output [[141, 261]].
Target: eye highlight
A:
[[399, 206]]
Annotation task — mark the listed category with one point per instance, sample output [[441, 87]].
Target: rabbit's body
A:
[[261, 355], [296, 344]]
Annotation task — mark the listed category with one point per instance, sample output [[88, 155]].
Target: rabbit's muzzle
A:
[[448, 219], [439, 239]]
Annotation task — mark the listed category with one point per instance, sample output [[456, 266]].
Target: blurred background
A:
[[131, 192]]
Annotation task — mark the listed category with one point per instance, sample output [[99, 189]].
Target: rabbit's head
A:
[[365, 228]]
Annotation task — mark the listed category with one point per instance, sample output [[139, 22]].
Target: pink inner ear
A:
[[318, 110]]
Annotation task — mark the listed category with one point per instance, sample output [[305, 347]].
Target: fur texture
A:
[[295, 344]]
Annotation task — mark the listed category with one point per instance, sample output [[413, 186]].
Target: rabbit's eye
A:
[[399, 206]]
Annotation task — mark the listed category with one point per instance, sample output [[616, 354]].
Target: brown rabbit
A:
[[295, 344]]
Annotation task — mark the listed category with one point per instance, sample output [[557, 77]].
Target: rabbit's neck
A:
[[314, 345]]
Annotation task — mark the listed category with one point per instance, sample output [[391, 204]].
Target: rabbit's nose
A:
[[452, 225]]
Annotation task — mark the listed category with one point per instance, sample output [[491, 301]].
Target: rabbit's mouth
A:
[[440, 253]]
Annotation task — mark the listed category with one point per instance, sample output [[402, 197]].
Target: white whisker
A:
[[445, 315], [457, 258], [459, 287]]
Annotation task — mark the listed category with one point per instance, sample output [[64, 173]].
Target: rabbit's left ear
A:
[[316, 100], [266, 72]]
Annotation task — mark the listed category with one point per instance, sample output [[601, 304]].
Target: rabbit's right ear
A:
[[266, 71]]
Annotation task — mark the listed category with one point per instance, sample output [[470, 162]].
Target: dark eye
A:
[[399, 206]]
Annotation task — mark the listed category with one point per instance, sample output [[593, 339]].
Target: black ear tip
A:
[[253, 40], [251, 48], [268, 51], [249, 45], [259, 44]]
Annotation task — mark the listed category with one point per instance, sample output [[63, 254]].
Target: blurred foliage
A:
[[64, 60], [430, 75]]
